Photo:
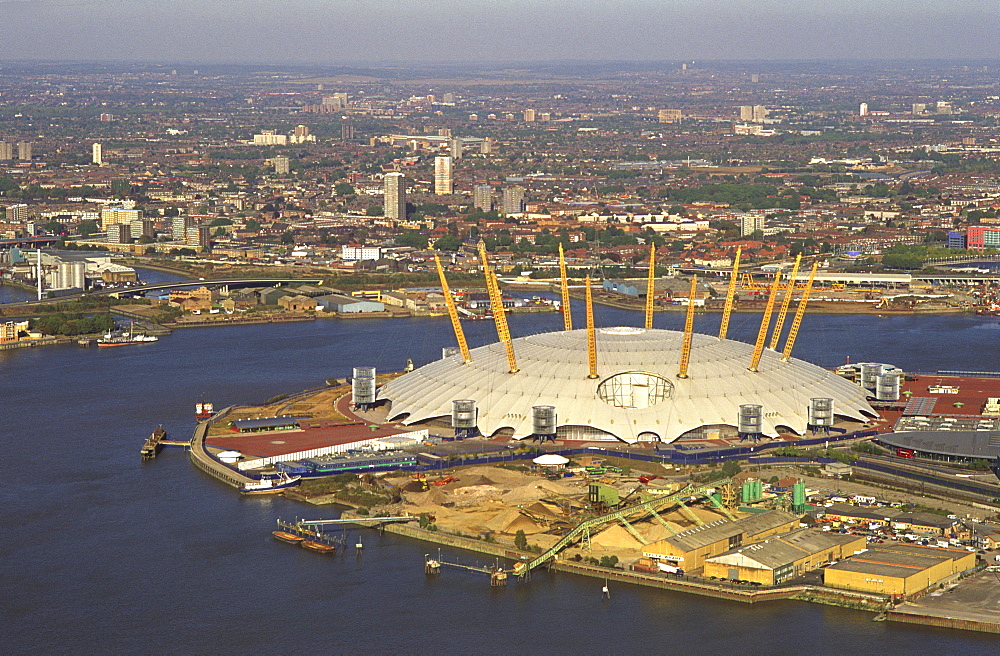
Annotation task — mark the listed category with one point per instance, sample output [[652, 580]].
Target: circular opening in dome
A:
[[622, 330], [634, 389]]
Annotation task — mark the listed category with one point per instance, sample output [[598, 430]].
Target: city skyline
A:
[[329, 31]]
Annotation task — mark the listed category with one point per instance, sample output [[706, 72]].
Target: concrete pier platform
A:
[[972, 605]]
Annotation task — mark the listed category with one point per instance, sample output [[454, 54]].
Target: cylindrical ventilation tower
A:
[[463, 418], [363, 388], [820, 415], [751, 421], [870, 371], [543, 422], [888, 388]]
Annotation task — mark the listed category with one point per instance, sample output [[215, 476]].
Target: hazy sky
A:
[[332, 31]]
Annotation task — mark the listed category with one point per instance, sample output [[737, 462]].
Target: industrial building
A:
[[691, 548], [782, 557], [923, 523], [348, 304], [898, 570]]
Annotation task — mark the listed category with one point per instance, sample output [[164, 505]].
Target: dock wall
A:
[[205, 462]]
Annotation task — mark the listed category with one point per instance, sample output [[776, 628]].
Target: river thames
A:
[[103, 553]]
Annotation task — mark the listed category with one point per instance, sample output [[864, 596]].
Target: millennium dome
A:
[[636, 394]]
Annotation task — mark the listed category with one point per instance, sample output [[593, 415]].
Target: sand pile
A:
[[616, 537], [473, 495]]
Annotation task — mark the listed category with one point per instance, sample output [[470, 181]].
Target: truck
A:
[[667, 568]]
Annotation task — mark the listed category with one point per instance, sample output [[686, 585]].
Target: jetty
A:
[[153, 443]]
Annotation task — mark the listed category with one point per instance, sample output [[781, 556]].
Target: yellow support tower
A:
[[682, 371], [456, 325], [799, 312], [496, 304], [758, 348], [564, 287], [789, 290], [650, 284], [730, 295], [591, 334]]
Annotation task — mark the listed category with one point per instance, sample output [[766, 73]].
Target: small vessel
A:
[[270, 485], [318, 547], [290, 538], [109, 339], [203, 410]]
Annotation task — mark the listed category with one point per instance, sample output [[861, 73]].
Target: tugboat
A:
[[271, 485]]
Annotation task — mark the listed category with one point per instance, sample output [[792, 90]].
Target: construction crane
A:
[[456, 325], [730, 295], [496, 303], [650, 284], [564, 287], [799, 312], [789, 290], [765, 321], [591, 335], [682, 371]]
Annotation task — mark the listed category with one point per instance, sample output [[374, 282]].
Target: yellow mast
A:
[[758, 348], [785, 302], [730, 295], [682, 371], [799, 312], [564, 286], [650, 281], [591, 335], [496, 304], [456, 325]]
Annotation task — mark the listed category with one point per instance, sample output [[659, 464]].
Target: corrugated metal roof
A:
[[554, 368], [722, 529]]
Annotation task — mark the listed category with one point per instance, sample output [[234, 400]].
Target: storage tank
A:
[[543, 421], [751, 420], [463, 417], [799, 497], [887, 388], [820, 413], [363, 387], [870, 371]]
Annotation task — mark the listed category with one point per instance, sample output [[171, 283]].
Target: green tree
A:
[[374, 210], [343, 189], [413, 239], [252, 224], [730, 468], [287, 237], [120, 187], [86, 228], [448, 243], [520, 540]]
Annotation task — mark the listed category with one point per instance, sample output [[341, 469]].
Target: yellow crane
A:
[[682, 371], [650, 284], [799, 312], [758, 348], [591, 334], [730, 295], [564, 287], [789, 290], [456, 325], [496, 303]]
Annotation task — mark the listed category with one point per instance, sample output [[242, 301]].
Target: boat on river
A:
[[271, 484], [290, 538], [125, 339]]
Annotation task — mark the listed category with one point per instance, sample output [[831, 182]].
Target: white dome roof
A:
[[553, 371]]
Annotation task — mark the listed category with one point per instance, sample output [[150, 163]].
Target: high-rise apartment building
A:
[[863, 109], [24, 150], [394, 189], [443, 184], [456, 148], [670, 116], [482, 197], [118, 233], [6, 151], [179, 226], [111, 215], [141, 228], [756, 113], [529, 116], [17, 213], [513, 200], [282, 165], [346, 131], [198, 236], [97, 154]]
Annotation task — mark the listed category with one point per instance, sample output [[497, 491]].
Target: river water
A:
[[102, 553]]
